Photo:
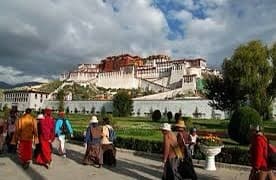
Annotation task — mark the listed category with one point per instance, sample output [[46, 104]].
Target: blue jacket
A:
[[59, 122]]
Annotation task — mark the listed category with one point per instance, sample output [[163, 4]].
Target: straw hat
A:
[[180, 124], [166, 127], [94, 119], [40, 116]]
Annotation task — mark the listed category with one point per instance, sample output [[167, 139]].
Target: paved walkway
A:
[[129, 166]]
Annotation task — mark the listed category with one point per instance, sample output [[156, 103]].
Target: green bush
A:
[[239, 126], [232, 155], [156, 115], [188, 122], [169, 116]]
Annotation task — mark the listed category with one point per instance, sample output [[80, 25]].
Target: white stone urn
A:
[[210, 152]]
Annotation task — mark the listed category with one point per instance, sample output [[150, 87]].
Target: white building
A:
[[24, 99], [158, 73]]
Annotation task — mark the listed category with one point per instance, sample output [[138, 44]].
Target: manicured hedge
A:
[[232, 155]]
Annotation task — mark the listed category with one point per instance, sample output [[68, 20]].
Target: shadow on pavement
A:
[[33, 174], [131, 169], [123, 167], [75, 155], [200, 175]]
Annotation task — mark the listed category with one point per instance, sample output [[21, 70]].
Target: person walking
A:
[[11, 129], [259, 155], [171, 154], [25, 133], [182, 136], [62, 129], [37, 146], [46, 137], [109, 136], [94, 153], [3, 133], [187, 168]]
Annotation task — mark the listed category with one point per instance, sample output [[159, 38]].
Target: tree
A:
[[83, 110], [60, 98], [122, 104], [93, 110], [169, 116], [156, 115], [67, 110], [240, 122], [246, 80], [6, 111], [165, 112], [103, 111]]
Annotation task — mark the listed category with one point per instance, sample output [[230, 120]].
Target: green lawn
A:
[[144, 128]]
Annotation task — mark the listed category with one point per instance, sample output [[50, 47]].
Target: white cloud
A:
[[48, 37], [14, 76]]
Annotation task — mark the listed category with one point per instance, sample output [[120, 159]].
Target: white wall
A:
[[187, 107], [117, 80]]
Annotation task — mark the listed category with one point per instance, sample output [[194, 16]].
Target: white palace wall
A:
[[143, 107], [117, 80]]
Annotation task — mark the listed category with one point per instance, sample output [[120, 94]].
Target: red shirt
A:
[[258, 152]]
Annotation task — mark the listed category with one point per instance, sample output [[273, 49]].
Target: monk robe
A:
[[46, 137], [25, 133]]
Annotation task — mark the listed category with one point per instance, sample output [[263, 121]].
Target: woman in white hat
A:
[[171, 153], [93, 154]]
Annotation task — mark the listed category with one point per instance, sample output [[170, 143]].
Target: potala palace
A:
[[157, 72]]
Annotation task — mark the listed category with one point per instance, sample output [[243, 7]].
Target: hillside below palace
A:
[[156, 73]]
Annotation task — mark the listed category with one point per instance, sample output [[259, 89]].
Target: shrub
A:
[[232, 155], [156, 115], [169, 116], [239, 126], [177, 116], [122, 104], [188, 122]]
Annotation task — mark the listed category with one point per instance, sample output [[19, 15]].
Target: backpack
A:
[[112, 135], [64, 128]]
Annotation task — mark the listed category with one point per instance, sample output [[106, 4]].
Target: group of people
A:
[[177, 152], [99, 143], [22, 132]]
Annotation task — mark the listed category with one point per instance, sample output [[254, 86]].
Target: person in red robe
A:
[[46, 137], [259, 155]]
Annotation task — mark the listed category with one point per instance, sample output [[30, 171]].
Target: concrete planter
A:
[[210, 152]]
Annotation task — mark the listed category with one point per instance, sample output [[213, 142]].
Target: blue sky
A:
[[40, 40]]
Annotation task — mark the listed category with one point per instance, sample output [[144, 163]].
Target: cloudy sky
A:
[[41, 39]]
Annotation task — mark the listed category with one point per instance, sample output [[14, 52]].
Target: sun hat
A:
[[94, 119], [166, 127], [40, 116], [180, 124]]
